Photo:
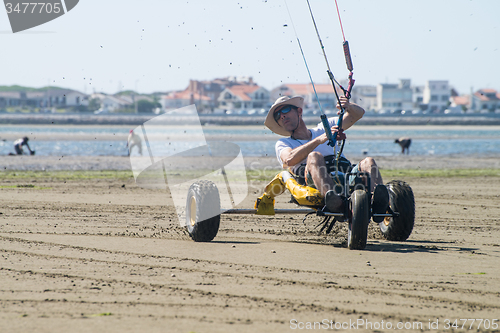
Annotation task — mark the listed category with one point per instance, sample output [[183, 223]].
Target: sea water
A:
[[67, 140]]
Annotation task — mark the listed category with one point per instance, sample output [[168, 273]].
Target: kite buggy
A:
[[203, 211], [348, 196]]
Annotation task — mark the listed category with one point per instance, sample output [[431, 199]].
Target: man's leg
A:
[[132, 147], [380, 198], [316, 169], [368, 165]]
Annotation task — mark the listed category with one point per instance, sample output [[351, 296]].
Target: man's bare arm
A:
[[291, 157], [353, 113]]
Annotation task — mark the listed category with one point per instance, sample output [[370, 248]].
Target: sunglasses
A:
[[277, 114]]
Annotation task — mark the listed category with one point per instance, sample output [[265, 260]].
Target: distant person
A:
[[134, 140], [18, 146], [405, 144]]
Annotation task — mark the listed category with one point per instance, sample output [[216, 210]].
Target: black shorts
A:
[[344, 164]]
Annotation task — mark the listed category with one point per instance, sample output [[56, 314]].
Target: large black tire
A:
[[203, 211], [401, 200], [360, 218]]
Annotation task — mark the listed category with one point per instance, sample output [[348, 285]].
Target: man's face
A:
[[286, 117]]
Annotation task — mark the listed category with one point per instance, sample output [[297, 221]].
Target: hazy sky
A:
[[158, 45]]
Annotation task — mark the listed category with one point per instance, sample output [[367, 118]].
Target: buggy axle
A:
[[277, 211]]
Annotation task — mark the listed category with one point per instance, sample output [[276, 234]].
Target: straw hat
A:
[[297, 101]]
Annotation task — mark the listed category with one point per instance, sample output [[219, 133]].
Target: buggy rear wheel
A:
[[401, 200], [203, 211], [360, 218]]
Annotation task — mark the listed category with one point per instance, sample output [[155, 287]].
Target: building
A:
[[485, 100], [179, 99], [365, 96], [12, 98], [243, 97], [437, 96], [209, 90], [204, 94], [459, 104], [110, 103], [213, 88], [394, 98], [326, 95], [418, 97], [58, 98]]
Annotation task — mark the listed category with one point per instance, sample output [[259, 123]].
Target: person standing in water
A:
[[134, 140]]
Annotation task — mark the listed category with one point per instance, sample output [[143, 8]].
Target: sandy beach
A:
[[25, 162], [102, 254]]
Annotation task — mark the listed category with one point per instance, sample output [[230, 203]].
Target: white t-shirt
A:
[[289, 142], [19, 142]]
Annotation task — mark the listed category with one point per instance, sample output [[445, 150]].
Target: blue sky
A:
[[158, 45]]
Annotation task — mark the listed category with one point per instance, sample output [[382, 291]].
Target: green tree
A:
[[145, 106]]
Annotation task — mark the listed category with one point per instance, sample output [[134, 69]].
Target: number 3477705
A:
[[475, 324], [33, 8]]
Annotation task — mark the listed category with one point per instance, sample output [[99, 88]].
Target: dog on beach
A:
[[405, 144]]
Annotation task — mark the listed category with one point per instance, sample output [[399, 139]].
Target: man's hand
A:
[[340, 135], [344, 102], [353, 112]]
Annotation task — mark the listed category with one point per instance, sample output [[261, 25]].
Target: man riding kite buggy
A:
[[306, 153]]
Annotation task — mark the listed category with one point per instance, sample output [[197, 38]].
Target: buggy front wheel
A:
[[360, 218]]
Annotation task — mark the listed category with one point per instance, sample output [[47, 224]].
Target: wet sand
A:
[[106, 255]]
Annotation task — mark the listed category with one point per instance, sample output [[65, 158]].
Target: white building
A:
[[111, 103], [418, 97], [365, 96], [63, 98], [485, 100], [244, 97], [437, 95], [60, 98], [395, 97]]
